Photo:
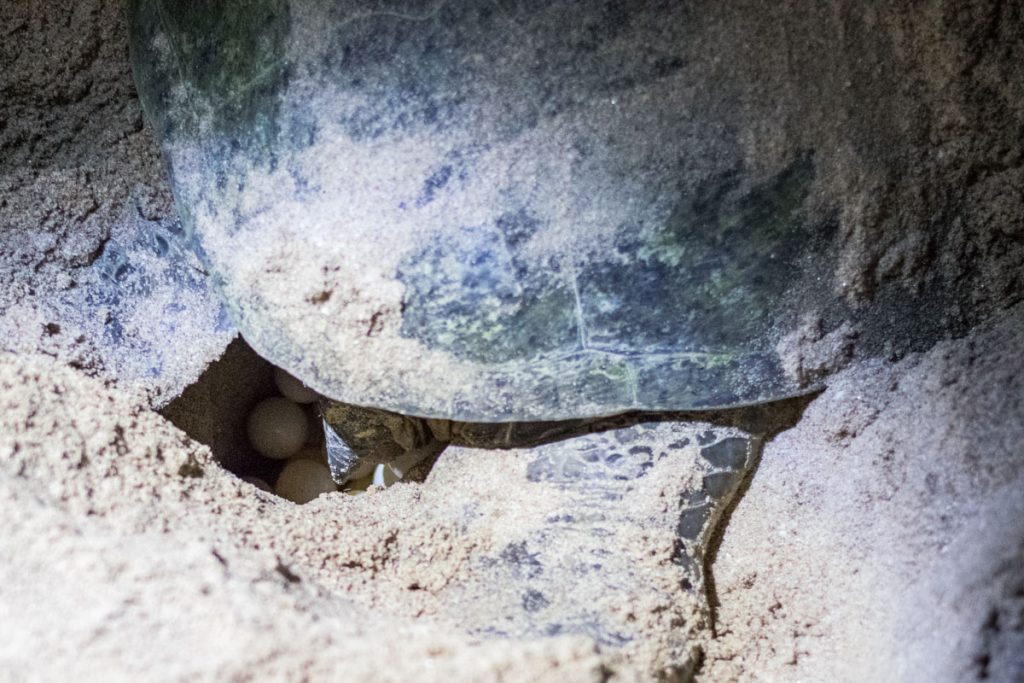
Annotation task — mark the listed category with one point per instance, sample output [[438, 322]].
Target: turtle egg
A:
[[293, 389], [277, 428], [384, 476], [303, 480]]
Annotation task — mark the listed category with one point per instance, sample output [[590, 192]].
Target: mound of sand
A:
[[880, 537]]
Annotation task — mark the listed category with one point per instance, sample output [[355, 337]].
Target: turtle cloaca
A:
[[602, 536]]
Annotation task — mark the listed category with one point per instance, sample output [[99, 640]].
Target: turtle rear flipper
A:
[[601, 535]]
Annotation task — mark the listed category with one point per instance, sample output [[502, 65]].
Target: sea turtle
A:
[[497, 225]]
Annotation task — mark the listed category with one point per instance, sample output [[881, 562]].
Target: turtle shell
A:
[[484, 212]]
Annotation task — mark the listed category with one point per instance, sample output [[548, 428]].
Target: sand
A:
[[128, 552], [880, 538], [84, 199]]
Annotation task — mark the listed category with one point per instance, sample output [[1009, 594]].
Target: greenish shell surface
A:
[[481, 212]]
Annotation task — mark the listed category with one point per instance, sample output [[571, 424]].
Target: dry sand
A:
[[879, 539], [83, 198], [882, 538], [128, 552]]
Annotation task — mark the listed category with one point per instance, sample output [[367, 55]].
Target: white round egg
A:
[[303, 480], [277, 428], [292, 388]]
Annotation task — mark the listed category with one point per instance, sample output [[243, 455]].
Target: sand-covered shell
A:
[[483, 212]]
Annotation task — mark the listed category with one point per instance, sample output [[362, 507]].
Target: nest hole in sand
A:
[[263, 426]]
